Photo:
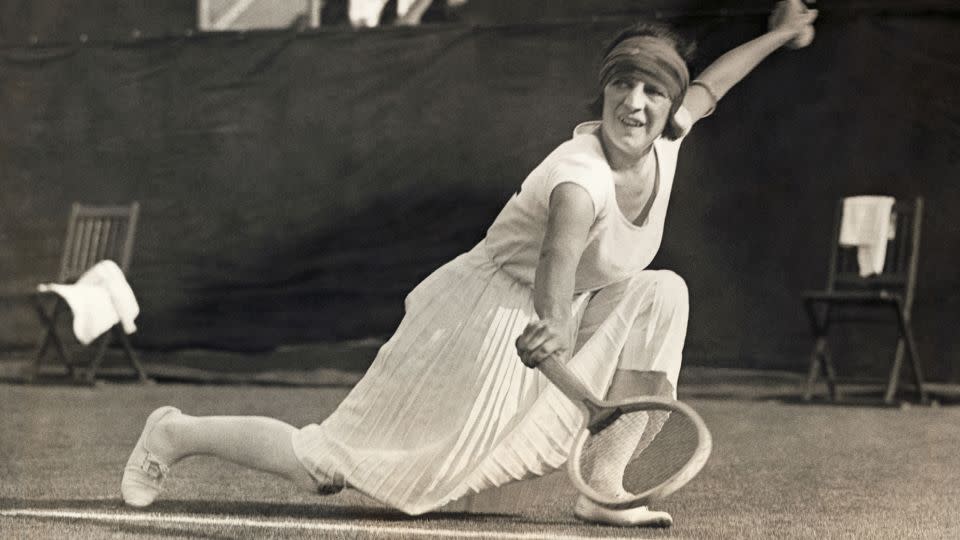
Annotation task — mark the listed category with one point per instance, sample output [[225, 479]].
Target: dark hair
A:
[[662, 31]]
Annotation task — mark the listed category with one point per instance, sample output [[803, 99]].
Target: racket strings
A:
[[655, 424], [628, 457]]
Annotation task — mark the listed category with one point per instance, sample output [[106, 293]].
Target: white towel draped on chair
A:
[[99, 299], [866, 224], [367, 13]]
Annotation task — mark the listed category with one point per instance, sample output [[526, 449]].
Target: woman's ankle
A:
[[163, 440]]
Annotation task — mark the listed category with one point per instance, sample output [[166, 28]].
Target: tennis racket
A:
[[674, 447]]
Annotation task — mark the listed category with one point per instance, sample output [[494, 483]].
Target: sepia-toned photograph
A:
[[471, 269]]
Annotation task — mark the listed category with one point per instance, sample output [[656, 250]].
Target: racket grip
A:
[[565, 380]]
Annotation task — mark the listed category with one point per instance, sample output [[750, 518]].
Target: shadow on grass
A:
[[865, 401], [263, 510], [49, 378], [854, 396], [207, 380], [172, 532], [46, 380]]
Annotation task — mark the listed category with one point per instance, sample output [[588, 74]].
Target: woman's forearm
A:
[[568, 223], [554, 283], [733, 66]]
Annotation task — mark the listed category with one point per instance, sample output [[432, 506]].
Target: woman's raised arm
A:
[[788, 22]]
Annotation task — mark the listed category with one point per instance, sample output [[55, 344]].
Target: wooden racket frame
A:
[[599, 413]]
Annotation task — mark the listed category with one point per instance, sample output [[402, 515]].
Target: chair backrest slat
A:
[[900, 264], [110, 240], [104, 238], [93, 251], [95, 233], [83, 244]]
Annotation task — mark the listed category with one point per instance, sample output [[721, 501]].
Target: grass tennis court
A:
[[780, 469]]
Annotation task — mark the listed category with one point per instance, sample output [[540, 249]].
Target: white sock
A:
[[612, 450]]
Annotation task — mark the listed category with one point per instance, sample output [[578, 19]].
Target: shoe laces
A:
[[154, 467]]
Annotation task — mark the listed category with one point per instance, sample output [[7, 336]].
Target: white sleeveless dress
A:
[[447, 408]]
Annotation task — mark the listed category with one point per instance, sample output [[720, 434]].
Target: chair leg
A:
[[132, 355], [907, 332], [34, 370], [102, 343], [895, 372], [49, 320], [820, 358], [813, 371], [831, 373]]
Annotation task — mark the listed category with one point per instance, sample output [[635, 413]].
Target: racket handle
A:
[[565, 380]]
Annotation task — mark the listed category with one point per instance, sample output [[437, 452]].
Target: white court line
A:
[[284, 524]]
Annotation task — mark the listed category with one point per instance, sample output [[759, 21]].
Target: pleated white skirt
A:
[[447, 408]]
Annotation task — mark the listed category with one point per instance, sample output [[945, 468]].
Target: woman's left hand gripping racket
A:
[[674, 447]]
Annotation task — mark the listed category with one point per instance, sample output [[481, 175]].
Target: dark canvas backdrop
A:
[[295, 187]]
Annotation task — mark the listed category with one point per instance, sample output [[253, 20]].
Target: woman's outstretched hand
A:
[[794, 16], [542, 339]]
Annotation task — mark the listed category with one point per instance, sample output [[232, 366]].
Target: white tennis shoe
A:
[[144, 473], [640, 516]]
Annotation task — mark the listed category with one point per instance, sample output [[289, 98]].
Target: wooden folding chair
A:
[[94, 233], [893, 291]]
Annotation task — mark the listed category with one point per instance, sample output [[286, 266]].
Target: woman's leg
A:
[[649, 364], [631, 433], [644, 317], [255, 442]]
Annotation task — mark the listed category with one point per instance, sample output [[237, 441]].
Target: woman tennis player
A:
[[447, 408]]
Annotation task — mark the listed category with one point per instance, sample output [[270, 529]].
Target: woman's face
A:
[[635, 113]]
